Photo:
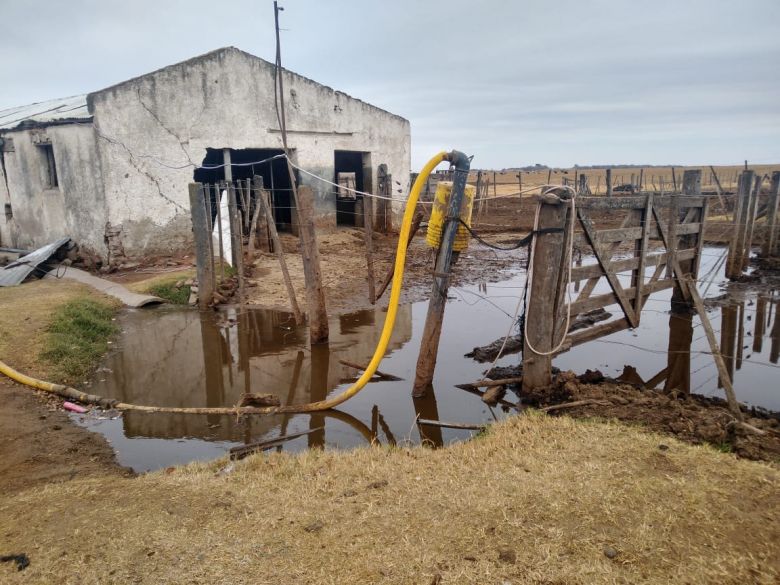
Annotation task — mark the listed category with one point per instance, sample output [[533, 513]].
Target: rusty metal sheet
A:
[[17, 271], [70, 108]]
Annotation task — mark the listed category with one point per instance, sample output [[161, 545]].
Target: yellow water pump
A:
[[439, 213]]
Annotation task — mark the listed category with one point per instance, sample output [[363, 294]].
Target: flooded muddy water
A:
[[182, 357]]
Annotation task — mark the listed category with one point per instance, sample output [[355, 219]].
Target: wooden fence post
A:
[[770, 239], [204, 257], [691, 186], [545, 313], [429, 347], [315, 294], [741, 209], [236, 239], [609, 182], [751, 221], [368, 223]]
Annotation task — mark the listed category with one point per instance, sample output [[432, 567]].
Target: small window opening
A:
[[50, 166], [9, 212]]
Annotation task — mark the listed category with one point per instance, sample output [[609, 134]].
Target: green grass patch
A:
[[168, 291], [78, 337]]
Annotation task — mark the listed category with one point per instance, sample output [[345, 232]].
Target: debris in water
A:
[[249, 399]]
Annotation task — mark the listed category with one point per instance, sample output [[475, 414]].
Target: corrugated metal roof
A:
[[16, 272], [74, 107]]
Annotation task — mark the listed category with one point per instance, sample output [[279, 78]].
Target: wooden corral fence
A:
[[657, 244], [235, 215]]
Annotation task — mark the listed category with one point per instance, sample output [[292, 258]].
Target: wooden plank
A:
[[617, 235], [596, 332], [595, 271], [723, 373], [611, 277], [601, 203], [680, 201], [645, 216], [610, 298]]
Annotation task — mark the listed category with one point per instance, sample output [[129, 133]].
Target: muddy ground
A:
[[39, 445], [689, 417]]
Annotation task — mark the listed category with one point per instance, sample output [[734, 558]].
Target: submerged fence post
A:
[[204, 257], [545, 313], [429, 347], [770, 240]]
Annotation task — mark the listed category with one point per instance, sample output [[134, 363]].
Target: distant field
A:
[[652, 179]]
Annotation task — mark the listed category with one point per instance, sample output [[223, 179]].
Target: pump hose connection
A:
[[457, 159]]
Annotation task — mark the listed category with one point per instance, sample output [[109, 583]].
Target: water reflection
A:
[[188, 358], [176, 357]]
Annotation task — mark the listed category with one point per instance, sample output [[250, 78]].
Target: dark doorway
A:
[[347, 208], [246, 163]]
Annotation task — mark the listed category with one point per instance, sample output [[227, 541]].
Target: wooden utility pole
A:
[[770, 240], [204, 256], [315, 295], [609, 182], [429, 347], [741, 208], [546, 311]]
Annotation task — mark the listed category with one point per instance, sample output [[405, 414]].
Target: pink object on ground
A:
[[74, 407]]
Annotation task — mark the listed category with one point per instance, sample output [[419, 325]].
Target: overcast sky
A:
[[558, 82]]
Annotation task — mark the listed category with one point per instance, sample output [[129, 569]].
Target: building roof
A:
[[75, 108], [53, 111]]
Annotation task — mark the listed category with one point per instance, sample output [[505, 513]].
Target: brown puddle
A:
[[180, 357]]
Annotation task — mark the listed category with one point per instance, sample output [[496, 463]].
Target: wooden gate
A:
[[656, 245]]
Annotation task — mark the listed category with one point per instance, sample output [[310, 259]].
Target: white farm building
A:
[[116, 163]]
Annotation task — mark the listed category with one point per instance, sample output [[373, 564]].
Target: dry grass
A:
[[536, 500], [28, 311]]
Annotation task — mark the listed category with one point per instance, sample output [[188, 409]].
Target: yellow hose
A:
[[379, 352]]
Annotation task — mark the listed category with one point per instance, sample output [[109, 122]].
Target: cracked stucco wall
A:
[[151, 130], [75, 208]]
